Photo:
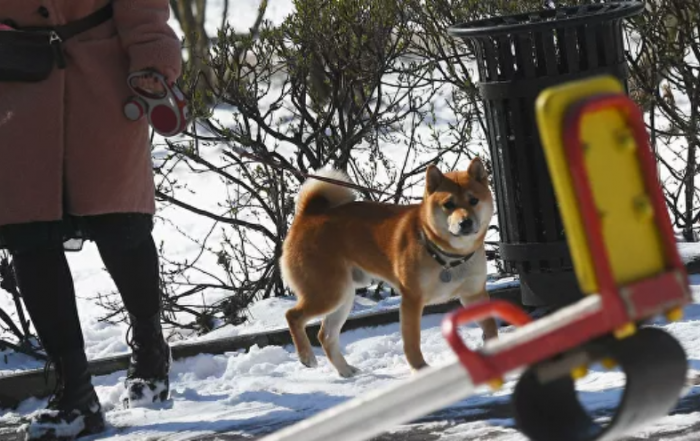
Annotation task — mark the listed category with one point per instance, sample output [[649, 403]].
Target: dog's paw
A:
[[416, 369], [485, 337], [348, 371], [309, 360]]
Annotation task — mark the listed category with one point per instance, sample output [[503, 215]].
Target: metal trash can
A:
[[517, 57]]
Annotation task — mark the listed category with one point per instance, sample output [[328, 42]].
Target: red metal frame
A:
[[619, 305], [483, 368], [479, 366]]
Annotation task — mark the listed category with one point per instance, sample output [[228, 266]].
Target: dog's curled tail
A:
[[317, 196]]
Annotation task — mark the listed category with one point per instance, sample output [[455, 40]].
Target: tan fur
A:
[[336, 245]]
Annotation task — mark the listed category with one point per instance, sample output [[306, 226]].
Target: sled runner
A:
[[626, 263]]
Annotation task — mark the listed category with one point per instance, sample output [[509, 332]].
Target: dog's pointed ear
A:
[[433, 178], [477, 171]]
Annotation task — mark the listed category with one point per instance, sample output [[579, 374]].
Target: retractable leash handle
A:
[[166, 111]]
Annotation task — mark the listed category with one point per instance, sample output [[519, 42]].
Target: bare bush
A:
[[15, 323], [666, 83], [339, 83]]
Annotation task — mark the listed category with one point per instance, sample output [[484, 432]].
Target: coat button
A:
[[44, 12]]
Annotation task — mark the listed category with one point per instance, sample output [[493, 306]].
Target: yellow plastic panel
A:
[[630, 233], [551, 107]]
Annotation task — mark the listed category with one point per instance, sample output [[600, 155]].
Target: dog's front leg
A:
[[489, 327], [411, 313]]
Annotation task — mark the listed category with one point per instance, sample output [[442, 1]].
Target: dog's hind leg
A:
[[320, 286], [297, 318], [329, 335]]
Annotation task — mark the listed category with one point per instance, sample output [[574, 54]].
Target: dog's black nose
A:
[[466, 225]]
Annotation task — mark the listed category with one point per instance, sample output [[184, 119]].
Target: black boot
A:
[[147, 377], [74, 409]]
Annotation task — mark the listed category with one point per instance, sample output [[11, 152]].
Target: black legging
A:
[[46, 285]]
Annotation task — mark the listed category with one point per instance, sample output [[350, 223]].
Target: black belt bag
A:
[[31, 54]]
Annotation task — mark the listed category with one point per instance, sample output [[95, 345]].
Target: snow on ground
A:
[[249, 392]]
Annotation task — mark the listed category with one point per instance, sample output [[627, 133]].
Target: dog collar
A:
[[437, 254]]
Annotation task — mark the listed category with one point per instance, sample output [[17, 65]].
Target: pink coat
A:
[[65, 145]]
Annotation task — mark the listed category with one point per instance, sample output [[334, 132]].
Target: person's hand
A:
[[149, 83]]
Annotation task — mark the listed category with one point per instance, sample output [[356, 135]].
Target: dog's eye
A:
[[473, 201], [449, 205]]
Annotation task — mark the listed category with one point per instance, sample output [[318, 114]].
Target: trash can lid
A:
[[546, 18]]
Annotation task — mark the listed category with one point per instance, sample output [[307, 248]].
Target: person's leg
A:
[[46, 286], [129, 253]]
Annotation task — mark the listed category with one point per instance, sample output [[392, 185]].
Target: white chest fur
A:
[[466, 279]]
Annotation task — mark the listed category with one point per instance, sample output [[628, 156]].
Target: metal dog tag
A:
[[446, 275]]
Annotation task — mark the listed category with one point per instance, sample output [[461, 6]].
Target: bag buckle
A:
[[55, 41]]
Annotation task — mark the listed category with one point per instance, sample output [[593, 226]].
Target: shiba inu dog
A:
[[429, 252]]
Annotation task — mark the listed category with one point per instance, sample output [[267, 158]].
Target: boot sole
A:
[[94, 424], [161, 397]]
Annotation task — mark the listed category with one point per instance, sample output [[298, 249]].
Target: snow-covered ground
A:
[[267, 387]]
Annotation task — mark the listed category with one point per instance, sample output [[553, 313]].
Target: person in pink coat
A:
[[72, 165]]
